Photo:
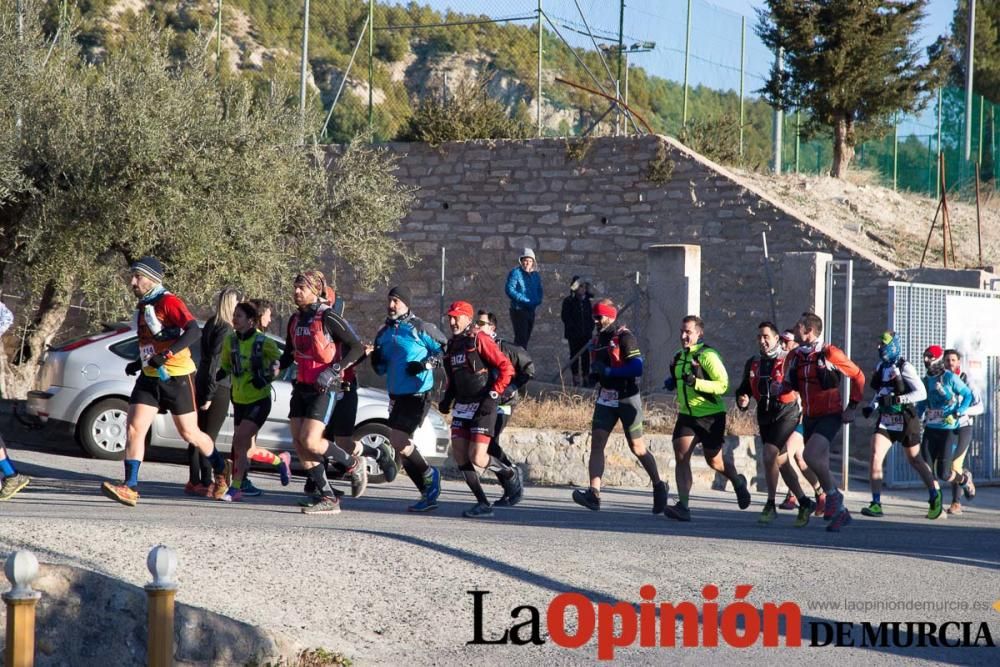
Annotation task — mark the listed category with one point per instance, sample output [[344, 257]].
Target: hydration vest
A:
[[468, 370], [256, 357], [614, 348], [767, 373], [315, 350]]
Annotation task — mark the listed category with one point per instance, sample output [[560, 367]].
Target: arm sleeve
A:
[[217, 336], [918, 392], [351, 349], [288, 354], [630, 369], [717, 382], [744, 388], [191, 333], [6, 318], [377, 359], [449, 385], [837, 357], [495, 358]]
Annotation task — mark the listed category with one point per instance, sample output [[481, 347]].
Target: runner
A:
[[321, 343], [524, 371], [814, 370], [264, 309], [953, 362], [778, 416], [699, 377], [897, 391], [406, 351], [250, 358], [478, 373], [947, 400], [615, 365], [211, 394], [12, 480], [166, 330]]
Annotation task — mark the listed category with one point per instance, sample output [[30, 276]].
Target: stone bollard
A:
[[21, 569], [162, 564]]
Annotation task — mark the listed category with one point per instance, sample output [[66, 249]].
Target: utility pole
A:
[[687, 55], [969, 61], [779, 119], [621, 56], [538, 98], [371, 67], [305, 61]]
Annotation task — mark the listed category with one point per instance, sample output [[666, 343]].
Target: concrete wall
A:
[[595, 208]]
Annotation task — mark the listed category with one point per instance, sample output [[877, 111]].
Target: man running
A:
[[947, 400], [898, 389], [524, 371], [478, 374], [778, 416], [166, 331], [616, 364], [814, 370], [699, 377], [953, 362], [13, 482], [406, 350], [321, 344]]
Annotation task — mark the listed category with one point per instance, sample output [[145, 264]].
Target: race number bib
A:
[[465, 410], [934, 416], [608, 397], [891, 422], [145, 352]]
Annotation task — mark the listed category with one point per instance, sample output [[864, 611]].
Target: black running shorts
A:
[[308, 402], [175, 395], [780, 430], [345, 413], [407, 411], [470, 422], [827, 426], [257, 412], [710, 431]]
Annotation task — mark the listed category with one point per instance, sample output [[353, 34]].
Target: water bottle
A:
[[162, 372]]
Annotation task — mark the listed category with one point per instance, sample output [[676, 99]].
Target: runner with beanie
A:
[[616, 364], [524, 289], [166, 331], [406, 351]]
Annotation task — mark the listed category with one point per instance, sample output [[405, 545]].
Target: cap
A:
[[460, 308], [934, 351]]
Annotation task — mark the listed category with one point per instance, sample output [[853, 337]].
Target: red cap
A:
[[934, 351], [605, 310], [460, 308]]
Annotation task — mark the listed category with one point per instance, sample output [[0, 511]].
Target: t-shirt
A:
[[172, 314]]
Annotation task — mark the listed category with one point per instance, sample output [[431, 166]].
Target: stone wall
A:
[[594, 208]]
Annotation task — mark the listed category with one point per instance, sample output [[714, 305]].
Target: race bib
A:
[[146, 351], [891, 422], [608, 397], [465, 410], [934, 416]]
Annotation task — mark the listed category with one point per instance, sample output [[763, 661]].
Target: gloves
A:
[[133, 367], [415, 368], [376, 356], [670, 384], [444, 407], [867, 411], [328, 378], [258, 381], [593, 377], [689, 379], [599, 368], [157, 360], [508, 393]]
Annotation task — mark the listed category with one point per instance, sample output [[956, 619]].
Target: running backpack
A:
[[828, 375]]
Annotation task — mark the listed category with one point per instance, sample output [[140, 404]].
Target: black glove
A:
[[376, 356], [508, 393], [867, 411], [258, 381], [329, 378], [593, 377], [133, 367], [600, 368], [689, 379], [444, 407], [157, 360], [670, 384], [415, 368]]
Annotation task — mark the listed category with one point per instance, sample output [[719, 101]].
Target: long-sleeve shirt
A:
[[400, 341], [213, 334], [947, 396], [712, 381], [807, 371], [524, 289]]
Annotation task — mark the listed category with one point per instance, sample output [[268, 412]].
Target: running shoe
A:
[[124, 494], [661, 492], [805, 511], [387, 461], [969, 488], [678, 512], [769, 514], [285, 468], [479, 511], [820, 506], [955, 508], [875, 510], [789, 502], [248, 489], [587, 498], [196, 489], [935, 506], [432, 484], [218, 487], [324, 505], [742, 493], [13, 484], [839, 520], [513, 490], [233, 495], [359, 476], [227, 472], [425, 504]]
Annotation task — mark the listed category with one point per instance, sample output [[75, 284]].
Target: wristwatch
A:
[[494, 395]]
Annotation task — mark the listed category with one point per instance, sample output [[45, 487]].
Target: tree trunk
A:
[[843, 146], [19, 371]]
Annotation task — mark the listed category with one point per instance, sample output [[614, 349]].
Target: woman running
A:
[[249, 357]]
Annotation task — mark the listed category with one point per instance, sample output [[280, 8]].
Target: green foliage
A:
[[717, 138], [661, 168]]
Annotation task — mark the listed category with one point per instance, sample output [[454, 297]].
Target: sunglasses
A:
[[481, 323]]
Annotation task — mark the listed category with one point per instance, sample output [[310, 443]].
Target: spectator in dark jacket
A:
[[524, 288], [578, 327]]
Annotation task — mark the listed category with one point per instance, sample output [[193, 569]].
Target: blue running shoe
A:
[[424, 505], [249, 490], [432, 485]]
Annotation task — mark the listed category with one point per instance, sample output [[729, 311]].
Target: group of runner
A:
[[795, 380]]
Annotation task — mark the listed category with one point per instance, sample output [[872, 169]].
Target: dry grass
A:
[[567, 411]]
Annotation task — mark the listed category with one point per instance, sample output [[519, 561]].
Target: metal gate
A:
[[919, 313]]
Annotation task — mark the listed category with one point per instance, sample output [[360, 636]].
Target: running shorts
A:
[[709, 430], [257, 412], [471, 423], [308, 402], [175, 395], [628, 410], [827, 426], [341, 424], [407, 411], [780, 430]]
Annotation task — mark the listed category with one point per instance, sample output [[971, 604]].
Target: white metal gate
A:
[[919, 313]]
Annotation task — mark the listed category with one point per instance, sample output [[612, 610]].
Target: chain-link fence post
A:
[[743, 51], [371, 69], [538, 99], [687, 57]]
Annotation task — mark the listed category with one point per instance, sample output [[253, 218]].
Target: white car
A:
[[86, 394]]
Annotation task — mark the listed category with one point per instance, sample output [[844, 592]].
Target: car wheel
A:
[[102, 430], [374, 434]]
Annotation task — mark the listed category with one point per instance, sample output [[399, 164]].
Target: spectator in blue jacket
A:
[[406, 351], [524, 288]]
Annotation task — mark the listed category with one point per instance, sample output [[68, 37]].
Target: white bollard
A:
[[162, 564], [21, 569]]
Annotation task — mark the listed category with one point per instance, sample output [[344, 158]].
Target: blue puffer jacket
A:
[[524, 289], [401, 341], [947, 396]]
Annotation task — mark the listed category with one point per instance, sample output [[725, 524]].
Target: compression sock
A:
[[648, 462], [318, 475], [502, 470], [132, 473], [194, 466], [217, 461], [206, 468], [6, 468], [415, 474], [877, 498], [954, 493], [472, 479], [333, 451], [803, 499], [266, 457]]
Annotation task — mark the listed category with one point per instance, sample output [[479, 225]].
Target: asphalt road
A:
[[387, 587]]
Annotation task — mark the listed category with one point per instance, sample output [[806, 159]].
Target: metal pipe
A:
[[621, 53], [344, 80], [743, 46], [895, 151], [848, 322], [779, 120], [937, 190], [687, 55], [305, 60], [371, 68], [538, 96], [969, 64]]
